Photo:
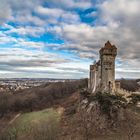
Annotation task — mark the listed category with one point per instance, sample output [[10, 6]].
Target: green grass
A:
[[32, 117], [24, 123]]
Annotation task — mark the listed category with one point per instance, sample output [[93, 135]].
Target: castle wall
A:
[[91, 78], [95, 74], [98, 77]]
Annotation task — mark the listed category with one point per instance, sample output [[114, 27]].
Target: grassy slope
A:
[[26, 120], [24, 124], [33, 117]]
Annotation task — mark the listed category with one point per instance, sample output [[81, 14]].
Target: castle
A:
[[102, 73]]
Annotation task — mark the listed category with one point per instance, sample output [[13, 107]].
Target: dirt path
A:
[[60, 110], [14, 119], [9, 123]]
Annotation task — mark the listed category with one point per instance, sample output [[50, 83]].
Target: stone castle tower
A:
[[102, 73], [107, 57]]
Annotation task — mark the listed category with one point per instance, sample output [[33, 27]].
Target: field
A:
[[29, 125]]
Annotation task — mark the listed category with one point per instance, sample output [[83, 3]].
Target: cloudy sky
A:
[[61, 38]]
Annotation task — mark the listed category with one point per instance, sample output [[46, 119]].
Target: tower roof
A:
[[109, 45], [108, 49]]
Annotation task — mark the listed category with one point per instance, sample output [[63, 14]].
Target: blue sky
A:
[[61, 38]]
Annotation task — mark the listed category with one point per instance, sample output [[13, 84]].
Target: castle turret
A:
[[107, 57]]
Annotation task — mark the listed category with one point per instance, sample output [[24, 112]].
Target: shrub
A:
[[106, 101], [135, 98]]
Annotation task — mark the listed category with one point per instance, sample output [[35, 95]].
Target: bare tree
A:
[[88, 123], [4, 104]]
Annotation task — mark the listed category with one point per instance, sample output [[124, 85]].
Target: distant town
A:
[[15, 84]]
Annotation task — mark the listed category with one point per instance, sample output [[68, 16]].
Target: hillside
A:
[[46, 96], [53, 112], [130, 84]]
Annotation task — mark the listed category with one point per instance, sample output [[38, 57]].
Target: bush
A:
[[85, 93], [135, 98], [106, 101]]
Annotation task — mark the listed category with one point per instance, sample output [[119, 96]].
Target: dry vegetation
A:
[[109, 118], [130, 85], [39, 97], [105, 117], [46, 96]]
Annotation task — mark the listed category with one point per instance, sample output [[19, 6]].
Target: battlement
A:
[[95, 66], [108, 49], [92, 67]]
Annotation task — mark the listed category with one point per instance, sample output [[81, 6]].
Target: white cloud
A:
[[119, 9], [8, 8], [54, 12], [28, 19], [6, 39], [22, 12], [30, 44], [117, 21], [25, 63], [28, 30], [5, 11], [57, 15], [81, 4]]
